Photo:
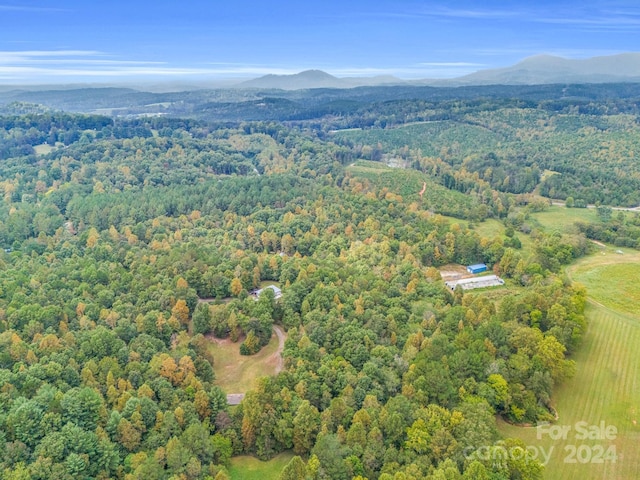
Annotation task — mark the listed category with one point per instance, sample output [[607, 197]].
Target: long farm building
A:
[[476, 282]]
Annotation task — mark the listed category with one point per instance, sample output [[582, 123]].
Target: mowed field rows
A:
[[604, 395]]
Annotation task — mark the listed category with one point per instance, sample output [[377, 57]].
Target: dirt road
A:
[[277, 355]]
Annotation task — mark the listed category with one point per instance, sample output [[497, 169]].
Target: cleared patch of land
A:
[[454, 271], [408, 183], [43, 149], [490, 228], [250, 468], [237, 373], [562, 219], [606, 387], [613, 280]]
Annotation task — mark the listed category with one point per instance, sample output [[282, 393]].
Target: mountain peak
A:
[[308, 79], [312, 73], [542, 58], [297, 81], [541, 69]]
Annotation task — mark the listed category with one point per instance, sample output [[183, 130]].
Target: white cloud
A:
[[36, 65], [452, 64], [433, 70], [589, 18], [530, 50], [473, 14], [79, 72], [24, 8], [7, 56], [106, 72]]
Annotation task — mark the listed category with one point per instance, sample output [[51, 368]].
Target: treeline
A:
[[20, 133], [621, 229], [339, 107]]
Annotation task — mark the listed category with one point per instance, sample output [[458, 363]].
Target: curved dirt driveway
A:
[[276, 357]]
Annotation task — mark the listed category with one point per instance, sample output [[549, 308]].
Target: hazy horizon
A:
[[68, 42]]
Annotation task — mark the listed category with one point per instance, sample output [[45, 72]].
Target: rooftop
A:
[[476, 282]]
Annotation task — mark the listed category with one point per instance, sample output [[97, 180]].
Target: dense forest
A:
[[559, 141], [114, 230]]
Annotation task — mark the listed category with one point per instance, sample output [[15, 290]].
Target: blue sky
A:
[[71, 41]]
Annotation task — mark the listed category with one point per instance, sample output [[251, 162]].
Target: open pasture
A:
[[606, 387]]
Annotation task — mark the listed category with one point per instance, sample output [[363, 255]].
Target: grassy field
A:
[[562, 219], [237, 373], [490, 228], [250, 468], [606, 387], [612, 279], [43, 149]]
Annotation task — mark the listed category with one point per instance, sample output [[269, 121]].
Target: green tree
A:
[[294, 470], [476, 471], [604, 212], [24, 420], [331, 455], [17, 472], [222, 449], [75, 464], [82, 407], [178, 456], [305, 428], [202, 319], [250, 345]]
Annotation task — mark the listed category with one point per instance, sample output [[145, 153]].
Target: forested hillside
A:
[[587, 152], [559, 141], [114, 231]]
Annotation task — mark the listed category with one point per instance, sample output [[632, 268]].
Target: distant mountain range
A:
[[539, 69], [316, 79], [536, 70], [314, 92]]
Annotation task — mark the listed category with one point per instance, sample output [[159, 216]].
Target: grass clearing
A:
[[562, 219], [546, 173], [490, 228], [237, 373], [611, 279], [250, 468], [496, 294], [606, 387], [369, 166], [43, 149]]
